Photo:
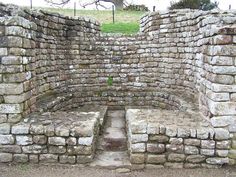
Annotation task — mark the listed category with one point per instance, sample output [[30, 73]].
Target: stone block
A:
[[171, 131], [232, 154], [175, 148], [71, 141], [37, 129], [24, 140], [191, 150], [195, 158], [20, 128], [5, 157], [34, 149], [20, 158], [6, 139], [222, 153], [217, 160], [172, 157], [40, 139], [192, 142], [33, 158], [138, 147], [208, 144], [82, 150], [65, 159], [176, 141], [87, 141], [207, 152], [183, 132], [10, 148], [5, 128], [3, 51], [137, 158], [159, 138], [11, 108], [155, 148], [48, 158], [156, 159], [56, 141], [221, 134], [11, 60], [137, 138], [83, 159], [11, 88], [57, 149], [223, 144]]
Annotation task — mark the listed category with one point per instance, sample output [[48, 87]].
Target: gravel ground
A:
[[75, 171]]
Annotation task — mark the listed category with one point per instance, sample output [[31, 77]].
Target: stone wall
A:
[[176, 52]]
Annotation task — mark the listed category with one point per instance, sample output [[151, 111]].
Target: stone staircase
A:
[[112, 144]]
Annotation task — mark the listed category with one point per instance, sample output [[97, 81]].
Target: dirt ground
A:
[[75, 171]]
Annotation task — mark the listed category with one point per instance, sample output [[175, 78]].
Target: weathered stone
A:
[[33, 158], [83, 159], [34, 149], [192, 142], [208, 152], [137, 138], [21, 158], [11, 108], [138, 147], [221, 134], [71, 141], [62, 131], [5, 157], [172, 157], [222, 144], [20, 128], [183, 133], [48, 158], [171, 131], [24, 140], [5, 128], [155, 148], [159, 138], [36, 129], [85, 141], [57, 149], [191, 150], [137, 158], [175, 148], [195, 158], [156, 159], [207, 144], [222, 153], [40, 139], [176, 141], [6, 139], [65, 159], [56, 141], [75, 150], [10, 148], [217, 160]]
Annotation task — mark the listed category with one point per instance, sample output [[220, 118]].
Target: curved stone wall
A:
[[185, 51]]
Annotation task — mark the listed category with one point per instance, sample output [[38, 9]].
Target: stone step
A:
[[111, 160], [114, 139]]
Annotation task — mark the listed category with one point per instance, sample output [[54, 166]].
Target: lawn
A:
[[126, 22]]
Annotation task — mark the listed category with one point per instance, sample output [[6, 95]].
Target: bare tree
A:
[[119, 4]]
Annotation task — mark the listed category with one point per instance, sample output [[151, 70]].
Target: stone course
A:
[[181, 62]]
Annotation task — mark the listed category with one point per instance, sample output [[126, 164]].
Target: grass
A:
[[124, 28], [126, 22]]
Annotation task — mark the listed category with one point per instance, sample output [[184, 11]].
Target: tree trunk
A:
[[117, 3]]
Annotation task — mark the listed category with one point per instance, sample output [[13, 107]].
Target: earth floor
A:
[[26, 170]]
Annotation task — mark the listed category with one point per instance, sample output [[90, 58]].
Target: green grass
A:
[[126, 22], [124, 28]]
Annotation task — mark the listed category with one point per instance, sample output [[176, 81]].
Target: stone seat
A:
[[175, 138], [60, 136]]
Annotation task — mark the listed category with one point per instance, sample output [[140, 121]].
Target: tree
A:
[[194, 4], [119, 4]]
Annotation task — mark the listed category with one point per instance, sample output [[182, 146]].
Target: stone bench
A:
[[49, 137], [174, 138]]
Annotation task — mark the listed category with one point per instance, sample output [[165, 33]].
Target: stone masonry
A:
[[179, 61]]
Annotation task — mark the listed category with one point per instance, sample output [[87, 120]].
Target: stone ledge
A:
[[167, 137]]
